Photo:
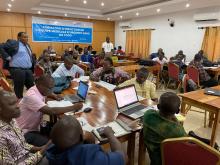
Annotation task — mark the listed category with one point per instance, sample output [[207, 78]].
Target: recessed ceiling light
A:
[[108, 19], [8, 9], [12, 0], [39, 12], [121, 16], [88, 17], [85, 2], [158, 10], [9, 5], [65, 15], [137, 14], [67, 0], [102, 4], [187, 5]]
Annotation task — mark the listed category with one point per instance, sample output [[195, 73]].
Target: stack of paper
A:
[[106, 85], [61, 103]]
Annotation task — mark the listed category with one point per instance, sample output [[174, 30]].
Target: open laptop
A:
[[128, 103], [211, 91], [81, 93]]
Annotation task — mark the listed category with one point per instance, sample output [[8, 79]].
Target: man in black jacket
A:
[[17, 56]]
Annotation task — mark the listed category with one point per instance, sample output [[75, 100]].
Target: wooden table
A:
[[207, 102], [104, 111], [213, 70], [123, 63]]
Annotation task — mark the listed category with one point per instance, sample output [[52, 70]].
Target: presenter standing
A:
[[107, 46]]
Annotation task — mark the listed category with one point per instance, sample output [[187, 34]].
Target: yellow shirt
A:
[[146, 90]]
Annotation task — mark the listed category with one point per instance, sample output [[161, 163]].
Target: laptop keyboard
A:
[[134, 109]]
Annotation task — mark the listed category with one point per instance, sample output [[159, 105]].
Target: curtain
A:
[[211, 43], [138, 42]]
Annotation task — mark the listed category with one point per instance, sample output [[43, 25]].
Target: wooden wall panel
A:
[[12, 23], [5, 33]]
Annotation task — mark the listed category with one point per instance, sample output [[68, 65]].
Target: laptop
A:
[[211, 91], [128, 103], [81, 93]]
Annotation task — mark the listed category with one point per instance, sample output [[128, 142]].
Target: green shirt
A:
[[156, 129]]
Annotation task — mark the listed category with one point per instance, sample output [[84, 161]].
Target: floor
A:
[[194, 121]]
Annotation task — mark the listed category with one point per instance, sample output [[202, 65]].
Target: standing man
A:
[[19, 55], [107, 46]]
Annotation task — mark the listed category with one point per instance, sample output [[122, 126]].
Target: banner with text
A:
[[56, 30]]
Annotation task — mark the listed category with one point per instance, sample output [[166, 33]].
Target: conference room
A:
[[91, 82]]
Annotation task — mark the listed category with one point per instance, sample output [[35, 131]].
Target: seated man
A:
[[155, 55], [204, 78], [205, 61], [45, 63], [68, 69], [109, 73], [161, 59], [161, 125], [99, 60], [120, 51], [180, 56], [13, 148], [86, 57], [69, 148], [144, 87], [33, 106]]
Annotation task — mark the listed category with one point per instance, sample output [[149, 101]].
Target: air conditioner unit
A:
[[125, 25], [207, 17]]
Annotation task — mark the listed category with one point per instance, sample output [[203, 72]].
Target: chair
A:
[[5, 85], [188, 151], [193, 74], [38, 71], [173, 73], [156, 70]]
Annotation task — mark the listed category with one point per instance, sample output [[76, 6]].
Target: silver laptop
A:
[[81, 93], [128, 103], [211, 91]]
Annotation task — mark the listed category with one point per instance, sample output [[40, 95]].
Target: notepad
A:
[[106, 85], [62, 103]]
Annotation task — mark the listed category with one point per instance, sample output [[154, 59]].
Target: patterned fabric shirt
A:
[[47, 66], [13, 148], [110, 76], [156, 129], [146, 90], [203, 75]]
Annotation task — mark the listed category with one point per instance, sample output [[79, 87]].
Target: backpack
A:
[[61, 83]]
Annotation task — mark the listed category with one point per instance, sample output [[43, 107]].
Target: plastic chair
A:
[[38, 71], [188, 151], [173, 73], [5, 85]]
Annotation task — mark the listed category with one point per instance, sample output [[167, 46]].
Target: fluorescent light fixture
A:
[[65, 15], [137, 14], [85, 2], [9, 5], [8, 9], [39, 12], [102, 4], [121, 16], [158, 10]]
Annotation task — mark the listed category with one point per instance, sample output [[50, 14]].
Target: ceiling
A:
[[112, 9]]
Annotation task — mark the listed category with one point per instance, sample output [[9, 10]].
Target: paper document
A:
[[82, 78], [212, 67], [140, 98], [106, 85], [85, 125], [61, 103]]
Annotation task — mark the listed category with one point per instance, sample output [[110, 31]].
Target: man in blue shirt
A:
[[69, 148], [20, 63]]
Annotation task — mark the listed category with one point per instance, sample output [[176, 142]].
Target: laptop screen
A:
[[82, 90], [126, 96]]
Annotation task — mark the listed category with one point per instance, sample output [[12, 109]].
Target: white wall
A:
[[184, 36]]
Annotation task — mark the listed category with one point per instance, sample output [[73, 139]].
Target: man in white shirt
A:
[[161, 59], [68, 69], [107, 46]]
